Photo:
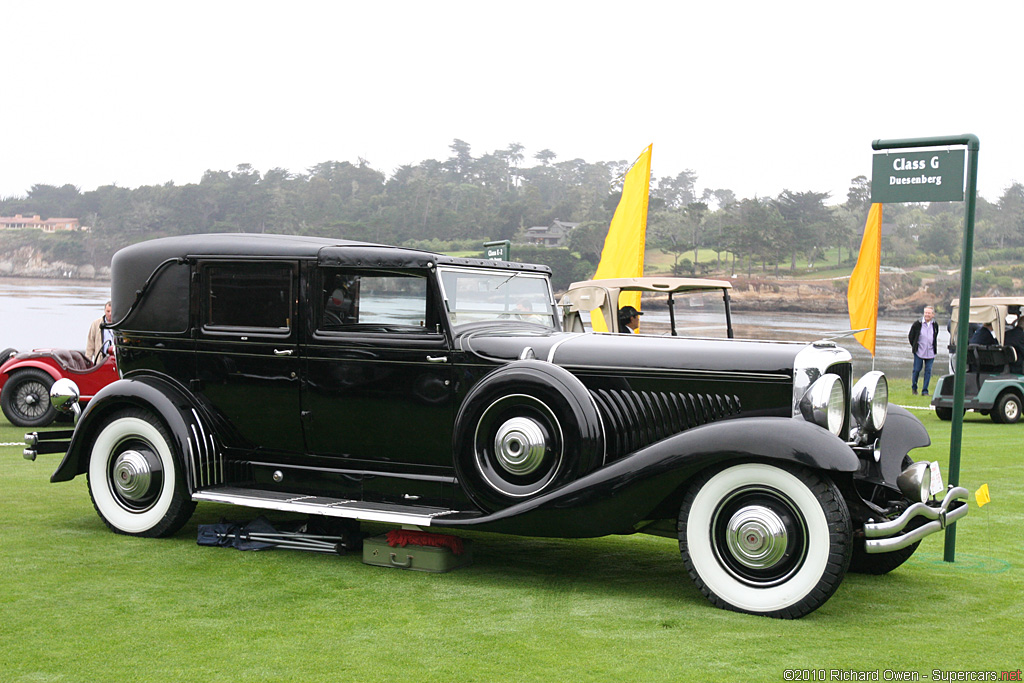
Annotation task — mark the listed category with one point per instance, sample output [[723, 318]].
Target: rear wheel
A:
[[765, 539], [1007, 409], [944, 413], [26, 398], [136, 481]]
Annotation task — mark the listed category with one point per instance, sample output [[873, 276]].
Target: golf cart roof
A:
[[654, 284], [992, 301], [989, 309]]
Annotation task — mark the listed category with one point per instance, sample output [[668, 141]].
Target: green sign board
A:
[[917, 177], [498, 251]]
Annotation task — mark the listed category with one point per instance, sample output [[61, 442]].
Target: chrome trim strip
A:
[[941, 517], [710, 374], [554, 347], [349, 509], [193, 484]]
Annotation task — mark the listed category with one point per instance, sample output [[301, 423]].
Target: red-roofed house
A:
[[20, 222]]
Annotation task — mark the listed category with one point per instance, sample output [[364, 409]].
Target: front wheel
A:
[[863, 562], [25, 399], [135, 478], [1007, 409], [765, 539]]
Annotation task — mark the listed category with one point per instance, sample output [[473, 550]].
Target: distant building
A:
[[554, 235], [20, 222]]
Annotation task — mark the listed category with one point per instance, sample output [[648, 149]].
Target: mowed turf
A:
[[80, 603]]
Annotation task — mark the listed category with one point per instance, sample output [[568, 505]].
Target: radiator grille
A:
[[634, 419]]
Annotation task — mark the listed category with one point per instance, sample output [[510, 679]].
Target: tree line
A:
[[464, 200]]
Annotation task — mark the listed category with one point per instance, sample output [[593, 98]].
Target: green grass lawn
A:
[[80, 603]]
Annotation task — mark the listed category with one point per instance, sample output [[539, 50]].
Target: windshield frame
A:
[[547, 318]]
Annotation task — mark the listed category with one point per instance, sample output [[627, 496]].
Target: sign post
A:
[[934, 177], [499, 250]]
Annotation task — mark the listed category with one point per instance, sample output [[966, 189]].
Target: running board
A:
[[416, 515]]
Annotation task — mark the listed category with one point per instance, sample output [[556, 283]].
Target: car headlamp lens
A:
[[870, 401], [824, 404], [915, 482]]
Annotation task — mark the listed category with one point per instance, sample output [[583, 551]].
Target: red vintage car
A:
[[26, 378]]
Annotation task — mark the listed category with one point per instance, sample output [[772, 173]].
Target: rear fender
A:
[[48, 368], [184, 419], [615, 498], [994, 387]]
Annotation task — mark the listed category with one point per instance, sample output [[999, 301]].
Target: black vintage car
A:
[[376, 383]]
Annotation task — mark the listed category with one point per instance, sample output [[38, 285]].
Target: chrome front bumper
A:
[[889, 536]]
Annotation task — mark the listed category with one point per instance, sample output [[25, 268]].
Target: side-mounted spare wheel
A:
[[765, 539], [526, 428], [136, 478]]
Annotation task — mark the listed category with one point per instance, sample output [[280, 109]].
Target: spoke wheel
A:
[[135, 480], [26, 398], [765, 539]]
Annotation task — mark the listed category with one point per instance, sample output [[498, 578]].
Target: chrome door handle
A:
[[283, 352], [437, 359]]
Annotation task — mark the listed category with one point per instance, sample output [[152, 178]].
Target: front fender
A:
[[615, 498], [183, 418], [902, 433]]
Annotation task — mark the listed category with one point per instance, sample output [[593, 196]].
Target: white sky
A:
[[756, 97]]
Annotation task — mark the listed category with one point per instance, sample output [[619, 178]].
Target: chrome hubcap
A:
[[132, 476], [519, 445], [756, 537]]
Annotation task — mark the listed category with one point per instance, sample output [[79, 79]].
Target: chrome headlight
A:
[[915, 482], [824, 403], [870, 401], [64, 395]]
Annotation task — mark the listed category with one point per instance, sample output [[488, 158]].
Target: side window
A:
[[353, 301], [248, 296]]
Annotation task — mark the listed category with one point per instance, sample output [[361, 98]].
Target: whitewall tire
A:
[[765, 539], [135, 480]]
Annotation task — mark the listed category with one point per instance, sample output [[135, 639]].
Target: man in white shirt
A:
[[924, 336]]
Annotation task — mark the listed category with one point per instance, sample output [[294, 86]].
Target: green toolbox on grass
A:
[[417, 550]]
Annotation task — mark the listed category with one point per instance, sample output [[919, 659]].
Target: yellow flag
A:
[[623, 253], [862, 296], [981, 495]]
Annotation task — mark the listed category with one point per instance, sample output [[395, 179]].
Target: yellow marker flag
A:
[[623, 253], [981, 495], [862, 295]]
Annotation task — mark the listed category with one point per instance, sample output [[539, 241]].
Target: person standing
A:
[[924, 337], [101, 340]]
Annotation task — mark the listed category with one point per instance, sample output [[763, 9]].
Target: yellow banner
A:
[[623, 253], [862, 295]]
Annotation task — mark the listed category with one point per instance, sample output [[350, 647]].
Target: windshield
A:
[[480, 295]]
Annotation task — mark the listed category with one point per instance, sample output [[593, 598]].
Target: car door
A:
[[247, 361], [378, 389]]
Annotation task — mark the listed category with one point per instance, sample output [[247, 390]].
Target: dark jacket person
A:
[[629, 319]]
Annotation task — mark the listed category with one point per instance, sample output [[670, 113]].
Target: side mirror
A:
[[64, 396]]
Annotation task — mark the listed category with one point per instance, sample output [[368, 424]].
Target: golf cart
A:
[[994, 384], [704, 304]]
